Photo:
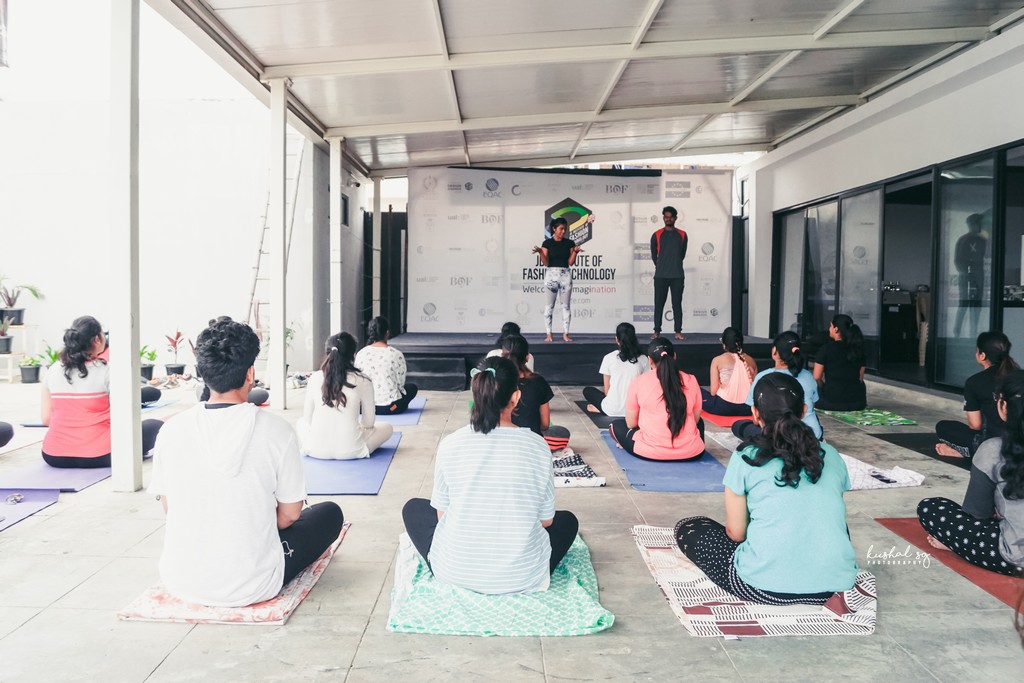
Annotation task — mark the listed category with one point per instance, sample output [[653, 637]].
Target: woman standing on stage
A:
[[558, 254]]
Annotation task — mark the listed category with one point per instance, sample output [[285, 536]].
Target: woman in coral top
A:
[[76, 401], [662, 410]]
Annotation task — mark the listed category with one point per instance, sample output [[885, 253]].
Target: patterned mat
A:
[[572, 472], [862, 475], [156, 604], [570, 607], [868, 417], [707, 611]]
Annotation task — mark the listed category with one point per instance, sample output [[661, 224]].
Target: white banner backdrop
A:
[[471, 232]]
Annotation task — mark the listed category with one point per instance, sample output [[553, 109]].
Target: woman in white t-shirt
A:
[[385, 366], [490, 525], [618, 368], [337, 420]]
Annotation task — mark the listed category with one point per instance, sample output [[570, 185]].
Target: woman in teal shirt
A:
[[785, 538]]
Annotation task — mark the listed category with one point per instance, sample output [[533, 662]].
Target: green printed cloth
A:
[[570, 607], [868, 416]]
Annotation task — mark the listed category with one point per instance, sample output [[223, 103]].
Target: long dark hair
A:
[[1011, 390], [629, 347], [507, 329], [663, 356], [517, 350], [377, 330], [493, 386], [850, 334], [339, 362], [996, 347], [787, 345], [732, 340], [78, 341], [779, 400]]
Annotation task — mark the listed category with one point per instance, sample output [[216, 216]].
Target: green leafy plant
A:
[[30, 361], [49, 356], [5, 324], [147, 354], [174, 342], [9, 294]]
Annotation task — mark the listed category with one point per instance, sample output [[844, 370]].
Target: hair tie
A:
[[476, 371], [334, 349], [663, 354], [794, 349]]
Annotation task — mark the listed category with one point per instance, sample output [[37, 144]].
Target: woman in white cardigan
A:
[[338, 419]]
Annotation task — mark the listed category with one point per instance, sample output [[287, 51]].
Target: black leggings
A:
[[716, 405], [623, 435], [706, 544], [959, 437], [401, 405], [421, 521], [6, 434], [975, 540], [150, 428], [594, 397], [661, 287], [309, 536]]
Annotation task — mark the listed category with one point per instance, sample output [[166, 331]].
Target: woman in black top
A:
[[839, 368], [533, 411], [558, 254], [957, 439]]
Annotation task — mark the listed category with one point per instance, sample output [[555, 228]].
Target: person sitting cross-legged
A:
[[230, 478]]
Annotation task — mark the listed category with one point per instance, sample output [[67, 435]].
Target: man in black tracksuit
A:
[[668, 249]]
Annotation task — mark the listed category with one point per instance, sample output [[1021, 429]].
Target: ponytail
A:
[[787, 345], [378, 329], [663, 356], [996, 347], [779, 400], [629, 347], [517, 350], [507, 330], [493, 383], [78, 342], [850, 333], [1011, 390], [338, 363]]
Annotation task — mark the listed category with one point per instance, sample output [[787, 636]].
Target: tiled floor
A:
[[65, 571]]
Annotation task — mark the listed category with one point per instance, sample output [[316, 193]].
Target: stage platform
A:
[[442, 361]]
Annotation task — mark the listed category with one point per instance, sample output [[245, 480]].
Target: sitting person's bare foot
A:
[[591, 408], [948, 451], [936, 543], [679, 335], [549, 337], [566, 337]]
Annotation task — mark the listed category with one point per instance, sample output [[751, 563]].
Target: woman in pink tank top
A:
[[731, 375]]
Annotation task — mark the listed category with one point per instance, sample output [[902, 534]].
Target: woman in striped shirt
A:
[[490, 525]]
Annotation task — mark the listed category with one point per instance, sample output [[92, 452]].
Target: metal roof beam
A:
[[836, 18], [611, 52]]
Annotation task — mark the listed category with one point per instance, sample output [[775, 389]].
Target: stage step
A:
[[437, 373]]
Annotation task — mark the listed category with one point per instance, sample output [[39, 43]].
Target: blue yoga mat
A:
[[32, 502], [697, 476], [159, 404], [410, 417], [362, 477], [39, 475]]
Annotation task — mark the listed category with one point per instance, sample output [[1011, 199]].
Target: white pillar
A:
[[125, 409], [759, 279], [278, 246], [377, 223], [337, 190]]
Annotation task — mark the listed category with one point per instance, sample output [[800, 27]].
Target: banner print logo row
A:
[[471, 233]]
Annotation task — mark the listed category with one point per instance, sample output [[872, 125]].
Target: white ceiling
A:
[[536, 82]]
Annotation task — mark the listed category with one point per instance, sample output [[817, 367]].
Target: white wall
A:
[[971, 103]]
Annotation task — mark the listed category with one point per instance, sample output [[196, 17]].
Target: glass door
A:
[[860, 267]]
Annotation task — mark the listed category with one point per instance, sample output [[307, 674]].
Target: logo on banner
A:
[[461, 281], [454, 187], [860, 256], [468, 186], [491, 219], [616, 188], [516, 191], [429, 313], [429, 183], [492, 192], [707, 252], [714, 312], [655, 218], [579, 217]]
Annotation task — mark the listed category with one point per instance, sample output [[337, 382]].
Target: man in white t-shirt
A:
[[230, 478]]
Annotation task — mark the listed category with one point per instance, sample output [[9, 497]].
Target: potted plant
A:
[[5, 339], [30, 369], [9, 299], [173, 343], [147, 355], [50, 355]]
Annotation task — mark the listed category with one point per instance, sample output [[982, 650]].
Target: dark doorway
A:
[[393, 259]]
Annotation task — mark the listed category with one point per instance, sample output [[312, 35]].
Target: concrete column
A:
[[337, 189], [277, 247], [321, 248], [377, 225], [125, 413], [759, 297]]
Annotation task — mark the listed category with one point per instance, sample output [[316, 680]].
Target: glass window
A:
[[860, 267], [820, 269], [1013, 252], [963, 295], [791, 293]]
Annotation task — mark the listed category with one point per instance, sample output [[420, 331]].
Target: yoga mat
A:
[[162, 403], [569, 607], [571, 471], [869, 417], [39, 475], [362, 477], [156, 604], [725, 421], [25, 435], [34, 501], [602, 421], [1005, 588], [923, 443], [707, 611], [410, 417], [702, 475]]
